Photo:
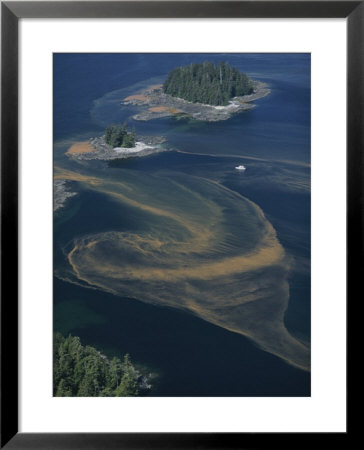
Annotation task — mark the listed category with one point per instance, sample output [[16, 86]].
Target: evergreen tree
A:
[[128, 386], [115, 373], [63, 389]]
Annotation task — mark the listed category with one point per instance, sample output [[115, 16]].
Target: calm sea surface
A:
[[189, 356]]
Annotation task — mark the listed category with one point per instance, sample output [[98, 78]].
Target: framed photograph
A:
[[181, 211]]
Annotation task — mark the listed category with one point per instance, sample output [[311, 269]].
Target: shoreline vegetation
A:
[[205, 92], [83, 371]]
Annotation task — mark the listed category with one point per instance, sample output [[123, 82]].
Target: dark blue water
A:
[[191, 356]]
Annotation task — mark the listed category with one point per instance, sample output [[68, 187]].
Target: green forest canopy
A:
[[82, 371], [209, 83], [119, 136]]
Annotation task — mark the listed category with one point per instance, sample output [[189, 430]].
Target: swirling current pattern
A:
[[200, 247]]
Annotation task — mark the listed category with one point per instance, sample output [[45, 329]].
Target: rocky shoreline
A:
[[61, 194], [144, 146], [161, 105]]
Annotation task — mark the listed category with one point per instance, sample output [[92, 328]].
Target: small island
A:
[[206, 91], [117, 143]]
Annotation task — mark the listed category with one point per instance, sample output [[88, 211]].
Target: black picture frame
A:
[[11, 12]]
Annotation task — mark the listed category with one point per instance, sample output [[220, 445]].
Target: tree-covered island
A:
[[119, 136], [83, 371], [202, 91], [208, 83]]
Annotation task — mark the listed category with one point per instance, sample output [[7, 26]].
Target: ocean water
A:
[[200, 272]]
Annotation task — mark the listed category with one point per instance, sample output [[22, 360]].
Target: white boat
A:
[[240, 168]]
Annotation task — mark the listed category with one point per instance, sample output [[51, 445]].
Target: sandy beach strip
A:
[[80, 147], [159, 109], [139, 97]]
